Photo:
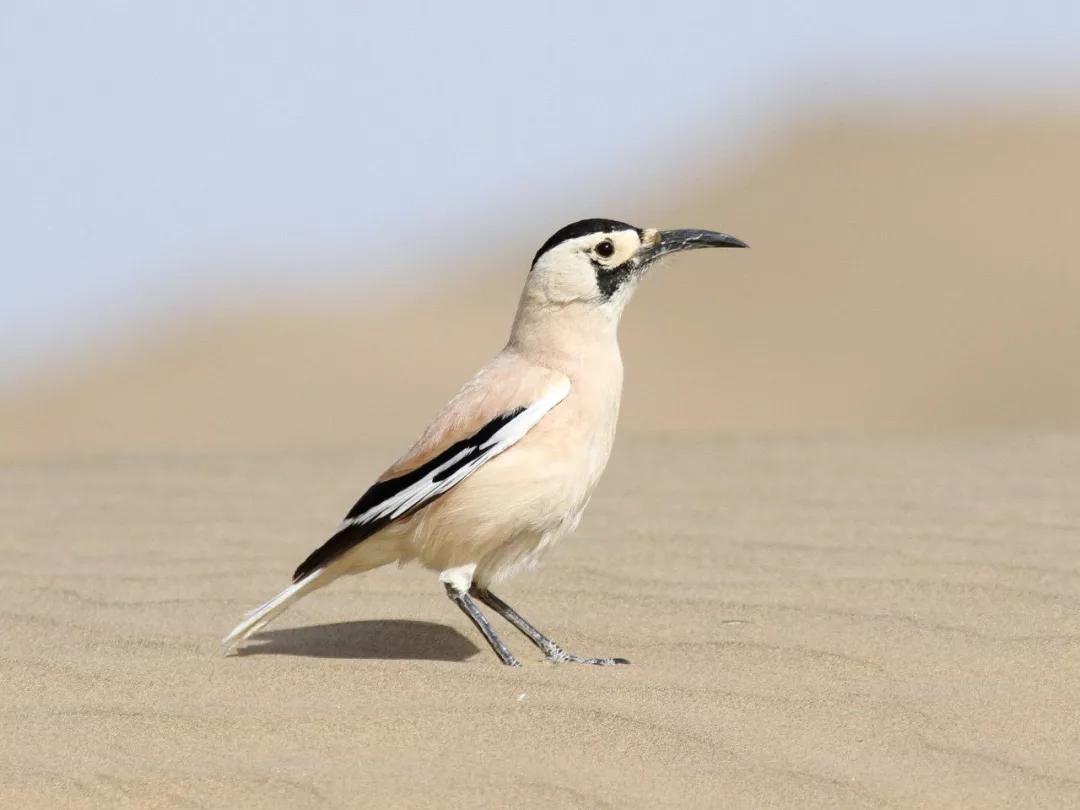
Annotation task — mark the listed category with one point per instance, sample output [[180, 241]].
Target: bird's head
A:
[[600, 261]]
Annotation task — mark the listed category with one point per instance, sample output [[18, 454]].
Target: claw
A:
[[557, 656]]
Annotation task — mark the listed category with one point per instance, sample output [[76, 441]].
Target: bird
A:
[[508, 466]]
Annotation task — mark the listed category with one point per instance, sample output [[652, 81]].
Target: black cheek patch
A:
[[609, 279]]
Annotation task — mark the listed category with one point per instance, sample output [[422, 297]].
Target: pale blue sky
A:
[[154, 153]]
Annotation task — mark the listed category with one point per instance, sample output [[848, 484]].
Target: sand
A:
[[814, 622]]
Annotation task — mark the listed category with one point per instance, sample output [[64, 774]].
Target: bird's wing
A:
[[490, 414]]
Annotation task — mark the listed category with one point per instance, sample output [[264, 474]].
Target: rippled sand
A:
[[811, 623]]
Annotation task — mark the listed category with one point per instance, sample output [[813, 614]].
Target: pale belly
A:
[[509, 512]]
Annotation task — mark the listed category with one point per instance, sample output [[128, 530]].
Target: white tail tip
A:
[[265, 613]]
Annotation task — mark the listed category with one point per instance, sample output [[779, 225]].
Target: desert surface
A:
[[839, 538], [817, 622]]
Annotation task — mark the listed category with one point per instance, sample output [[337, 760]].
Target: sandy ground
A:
[[811, 623]]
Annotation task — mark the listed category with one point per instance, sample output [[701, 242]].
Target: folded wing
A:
[[445, 456]]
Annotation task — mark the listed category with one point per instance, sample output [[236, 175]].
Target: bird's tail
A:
[[268, 611]]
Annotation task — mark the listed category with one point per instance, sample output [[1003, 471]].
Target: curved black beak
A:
[[660, 243], [692, 239]]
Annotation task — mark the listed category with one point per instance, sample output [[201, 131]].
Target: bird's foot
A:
[[557, 655]]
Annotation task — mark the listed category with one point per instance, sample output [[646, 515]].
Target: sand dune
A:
[[905, 275], [811, 624]]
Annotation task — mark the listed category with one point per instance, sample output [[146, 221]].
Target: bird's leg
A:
[[552, 651], [469, 608]]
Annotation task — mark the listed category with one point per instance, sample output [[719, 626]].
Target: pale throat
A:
[[573, 339]]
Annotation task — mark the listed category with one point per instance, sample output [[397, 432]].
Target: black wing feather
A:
[[351, 534]]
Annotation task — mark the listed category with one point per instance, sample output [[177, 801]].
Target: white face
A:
[[598, 268]]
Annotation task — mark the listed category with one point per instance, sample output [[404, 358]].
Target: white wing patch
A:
[[452, 471]]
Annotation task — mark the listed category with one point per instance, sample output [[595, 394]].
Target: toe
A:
[[609, 662], [604, 662]]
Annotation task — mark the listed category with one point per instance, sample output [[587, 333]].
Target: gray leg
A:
[[469, 608], [551, 650]]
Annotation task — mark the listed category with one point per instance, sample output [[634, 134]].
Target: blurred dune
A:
[[917, 273], [823, 621]]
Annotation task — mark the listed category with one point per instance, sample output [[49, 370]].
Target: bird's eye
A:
[[605, 249]]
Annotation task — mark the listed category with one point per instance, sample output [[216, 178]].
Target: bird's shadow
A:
[[385, 639]]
